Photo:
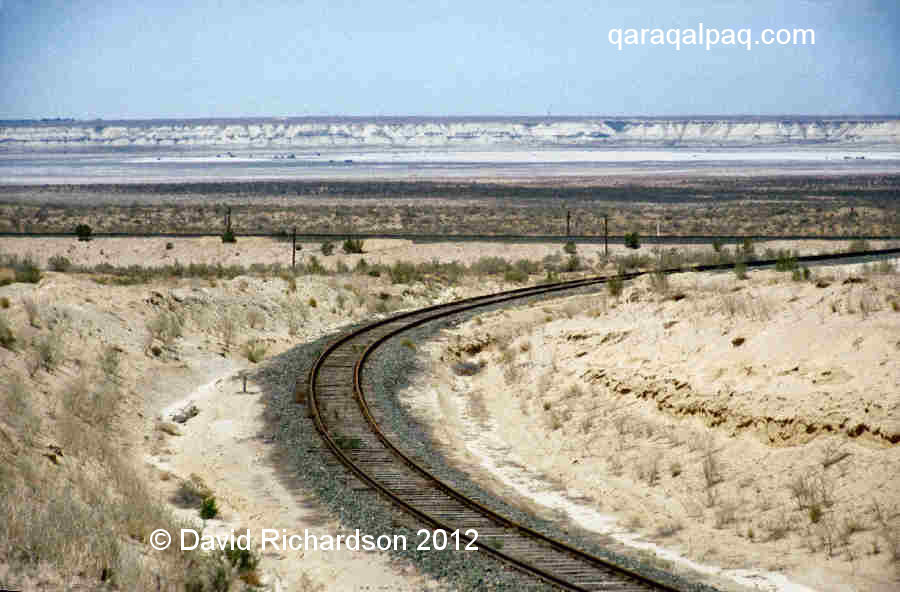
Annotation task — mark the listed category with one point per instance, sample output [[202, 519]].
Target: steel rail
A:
[[418, 317]]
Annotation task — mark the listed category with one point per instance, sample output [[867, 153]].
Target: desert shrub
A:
[[315, 267], [4, 302], [327, 248], [362, 266], [353, 245], [209, 508], [632, 261], [615, 285], [191, 492], [785, 261], [84, 232], [404, 272], [570, 248], [633, 240], [17, 407], [341, 267], [527, 266], [33, 311], [516, 276], [59, 263], [166, 326], [170, 246], [740, 270], [7, 337], [110, 360], [227, 327], [255, 350], [465, 368], [717, 245], [243, 560], [312, 303], [27, 271], [490, 266], [228, 236], [552, 262], [49, 349], [573, 263]]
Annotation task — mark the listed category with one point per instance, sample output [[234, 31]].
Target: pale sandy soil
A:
[[605, 411], [260, 250], [225, 444], [225, 447]]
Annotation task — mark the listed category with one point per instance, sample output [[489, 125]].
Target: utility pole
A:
[[568, 221], [294, 248], [605, 235]]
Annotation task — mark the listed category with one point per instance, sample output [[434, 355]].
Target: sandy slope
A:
[[607, 411]]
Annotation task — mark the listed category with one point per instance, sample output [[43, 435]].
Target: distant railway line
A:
[[346, 420], [434, 238]]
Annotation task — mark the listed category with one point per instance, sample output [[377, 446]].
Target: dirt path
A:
[[226, 446]]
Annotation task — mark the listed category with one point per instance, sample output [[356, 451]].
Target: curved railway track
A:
[[346, 421]]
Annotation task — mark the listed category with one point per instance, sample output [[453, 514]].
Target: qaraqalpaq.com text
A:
[[709, 37]]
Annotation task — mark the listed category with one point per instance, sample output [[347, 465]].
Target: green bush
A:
[[740, 270], [228, 236], [570, 248], [84, 232], [404, 272], [633, 240], [209, 508], [786, 261], [28, 272], [327, 248], [241, 559], [59, 263], [353, 245], [255, 350]]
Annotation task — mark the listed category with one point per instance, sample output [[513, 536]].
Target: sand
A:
[[607, 410]]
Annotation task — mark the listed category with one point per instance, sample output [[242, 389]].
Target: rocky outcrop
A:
[[314, 133]]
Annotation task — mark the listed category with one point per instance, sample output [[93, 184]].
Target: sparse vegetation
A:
[[84, 232], [27, 271], [7, 337], [352, 245], [255, 350], [59, 263], [633, 240]]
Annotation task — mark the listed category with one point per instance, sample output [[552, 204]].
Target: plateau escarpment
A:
[[453, 132]]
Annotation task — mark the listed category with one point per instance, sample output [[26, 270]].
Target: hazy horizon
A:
[[801, 117]]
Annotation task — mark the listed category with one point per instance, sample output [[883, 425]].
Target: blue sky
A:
[[205, 58]]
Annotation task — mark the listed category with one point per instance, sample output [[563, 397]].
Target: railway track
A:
[[346, 421]]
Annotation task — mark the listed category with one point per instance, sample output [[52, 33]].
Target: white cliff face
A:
[[457, 132]]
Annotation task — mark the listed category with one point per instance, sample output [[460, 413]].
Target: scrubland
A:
[[96, 338], [747, 423]]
